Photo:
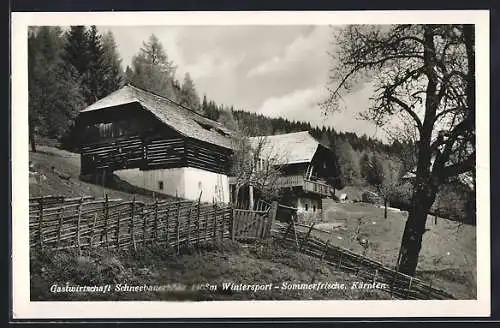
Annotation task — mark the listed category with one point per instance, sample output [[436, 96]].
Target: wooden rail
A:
[[311, 185], [399, 285]]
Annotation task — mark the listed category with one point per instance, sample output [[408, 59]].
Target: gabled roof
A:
[[289, 148], [182, 119]]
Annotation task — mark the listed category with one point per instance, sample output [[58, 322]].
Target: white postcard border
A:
[[24, 309]]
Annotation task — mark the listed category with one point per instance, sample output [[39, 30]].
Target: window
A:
[[314, 208], [160, 185], [307, 207]]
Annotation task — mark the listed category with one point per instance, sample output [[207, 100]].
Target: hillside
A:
[[265, 263], [47, 182], [448, 256]]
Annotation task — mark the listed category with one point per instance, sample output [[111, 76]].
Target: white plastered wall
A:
[[186, 182]]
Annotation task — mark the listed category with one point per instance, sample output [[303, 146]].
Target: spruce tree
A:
[[152, 70], [53, 86], [94, 75], [188, 94], [113, 78]]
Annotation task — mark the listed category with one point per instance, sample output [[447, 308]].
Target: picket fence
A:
[[61, 223]]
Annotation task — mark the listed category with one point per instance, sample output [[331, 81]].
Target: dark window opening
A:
[[307, 207], [314, 208], [160, 185]]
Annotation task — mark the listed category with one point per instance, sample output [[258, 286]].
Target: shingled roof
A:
[[182, 119], [289, 148]]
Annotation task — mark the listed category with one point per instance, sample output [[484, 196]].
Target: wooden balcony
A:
[[318, 187], [309, 185]]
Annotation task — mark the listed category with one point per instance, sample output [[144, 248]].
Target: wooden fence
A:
[[399, 285], [248, 225], [122, 224], [112, 223]]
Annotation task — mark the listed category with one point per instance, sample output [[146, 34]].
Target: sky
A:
[[272, 70]]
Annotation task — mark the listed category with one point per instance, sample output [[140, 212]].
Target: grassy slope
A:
[[448, 255], [68, 163], [225, 262]]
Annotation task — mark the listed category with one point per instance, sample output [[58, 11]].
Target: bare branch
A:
[[408, 110]]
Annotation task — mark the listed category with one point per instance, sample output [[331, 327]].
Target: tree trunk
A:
[[236, 196], [414, 230], [425, 187], [250, 197], [32, 137], [385, 208]]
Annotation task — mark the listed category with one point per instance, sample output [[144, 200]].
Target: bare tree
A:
[[385, 176], [255, 166], [427, 74]]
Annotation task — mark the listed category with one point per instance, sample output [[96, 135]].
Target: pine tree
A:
[[94, 76], [204, 105], [188, 95], [76, 49], [53, 86], [113, 74], [152, 70]]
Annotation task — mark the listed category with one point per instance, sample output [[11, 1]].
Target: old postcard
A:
[[223, 164]]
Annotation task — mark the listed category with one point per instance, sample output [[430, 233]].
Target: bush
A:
[[402, 197], [370, 197]]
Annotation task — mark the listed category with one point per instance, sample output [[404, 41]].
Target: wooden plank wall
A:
[[164, 153], [153, 153], [121, 153], [207, 157]]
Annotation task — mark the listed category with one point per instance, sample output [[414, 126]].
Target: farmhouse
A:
[[308, 170], [156, 144]]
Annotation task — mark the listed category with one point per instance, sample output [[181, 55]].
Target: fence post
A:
[[167, 231], [288, 229], [144, 227], [106, 212], [295, 236], [233, 218], [59, 227], [92, 231], [178, 225], [375, 276], [117, 232], [40, 220], [409, 286], [325, 251], [272, 213], [205, 235], [155, 233], [189, 224], [132, 225], [215, 222], [78, 224], [307, 236], [198, 221]]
